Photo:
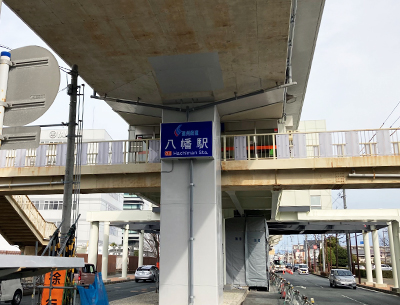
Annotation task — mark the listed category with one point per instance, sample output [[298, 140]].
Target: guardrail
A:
[[339, 144], [287, 291], [44, 227]]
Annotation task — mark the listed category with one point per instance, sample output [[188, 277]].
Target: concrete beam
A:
[[236, 202], [349, 215], [125, 216], [263, 175]]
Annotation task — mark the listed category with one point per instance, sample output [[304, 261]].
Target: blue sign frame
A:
[[186, 140]]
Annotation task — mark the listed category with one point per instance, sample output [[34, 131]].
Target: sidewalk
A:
[[263, 297], [232, 297], [114, 280], [387, 281]]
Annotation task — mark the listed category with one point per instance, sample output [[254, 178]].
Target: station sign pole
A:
[[5, 61]]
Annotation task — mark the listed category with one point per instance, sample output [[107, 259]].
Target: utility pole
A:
[[306, 250], [347, 235], [69, 164], [337, 251]]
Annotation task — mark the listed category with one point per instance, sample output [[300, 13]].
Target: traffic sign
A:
[[33, 84], [315, 247], [187, 140], [22, 137]]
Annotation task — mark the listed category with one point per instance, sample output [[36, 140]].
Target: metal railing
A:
[[44, 227], [290, 295], [337, 144]]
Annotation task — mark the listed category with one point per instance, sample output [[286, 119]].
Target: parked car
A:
[[386, 267], [342, 278], [303, 269], [85, 275], [11, 291], [295, 267], [289, 266], [146, 273]]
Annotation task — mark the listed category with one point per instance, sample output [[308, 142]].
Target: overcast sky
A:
[[353, 82]]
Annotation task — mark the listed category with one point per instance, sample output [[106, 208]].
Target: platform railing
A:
[[270, 146], [291, 145]]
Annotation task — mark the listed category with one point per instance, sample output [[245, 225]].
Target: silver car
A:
[[342, 278], [302, 269], [146, 273]]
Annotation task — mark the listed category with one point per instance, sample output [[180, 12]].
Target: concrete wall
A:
[[114, 262]]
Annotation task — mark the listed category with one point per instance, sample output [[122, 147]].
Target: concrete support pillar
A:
[[393, 256], [276, 197], [125, 259], [141, 243], [224, 248], [28, 250], [377, 259], [93, 243], [322, 247], [368, 265], [207, 222], [396, 246], [104, 261]]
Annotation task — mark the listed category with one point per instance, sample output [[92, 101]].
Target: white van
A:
[[11, 291]]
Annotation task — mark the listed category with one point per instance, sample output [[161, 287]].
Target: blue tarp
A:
[[96, 294]]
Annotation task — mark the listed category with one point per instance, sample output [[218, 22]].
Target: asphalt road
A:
[[318, 288], [116, 291]]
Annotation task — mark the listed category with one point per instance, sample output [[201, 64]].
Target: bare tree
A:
[[384, 242], [152, 244]]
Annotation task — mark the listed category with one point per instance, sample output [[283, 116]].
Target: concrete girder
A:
[[236, 202], [237, 176]]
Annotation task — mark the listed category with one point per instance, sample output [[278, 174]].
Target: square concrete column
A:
[[104, 260], [93, 243], [207, 222], [377, 259], [393, 256], [368, 265], [396, 248], [141, 242], [125, 258]]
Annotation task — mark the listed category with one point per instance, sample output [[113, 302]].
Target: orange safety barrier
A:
[[258, 147]]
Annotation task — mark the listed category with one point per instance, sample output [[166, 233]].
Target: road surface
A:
[[116, 291], [318, 288]]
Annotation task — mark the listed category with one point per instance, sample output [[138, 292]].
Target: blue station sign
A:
[[186, 140]]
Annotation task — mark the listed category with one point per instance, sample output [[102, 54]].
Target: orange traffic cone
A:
[[283, 272]]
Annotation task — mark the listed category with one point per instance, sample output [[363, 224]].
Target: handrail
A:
[[44, 228]]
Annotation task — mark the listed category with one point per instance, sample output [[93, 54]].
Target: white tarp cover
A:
[[235, 259], [246, 251], [256, 252]]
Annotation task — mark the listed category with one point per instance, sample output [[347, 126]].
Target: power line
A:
[[390, 115], [5, 47], [339, 196]]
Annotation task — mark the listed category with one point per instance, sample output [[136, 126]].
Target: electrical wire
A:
[[390, 115], [5, 47], [78, 163], [384, 124]]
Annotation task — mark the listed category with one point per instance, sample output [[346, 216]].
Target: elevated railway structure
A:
[[21, 223]]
